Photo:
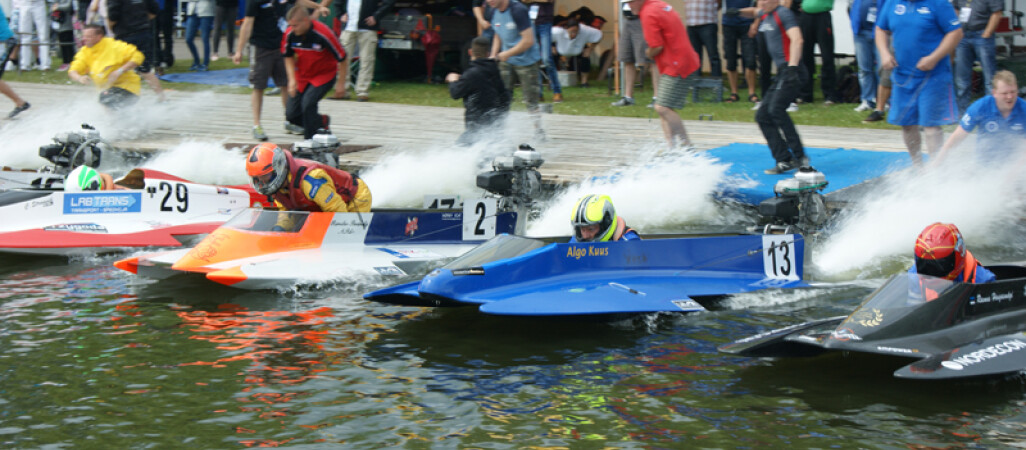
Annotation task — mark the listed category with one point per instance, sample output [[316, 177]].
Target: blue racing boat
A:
[[517, 276]]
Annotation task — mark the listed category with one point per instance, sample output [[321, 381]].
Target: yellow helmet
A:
[[593, 210]]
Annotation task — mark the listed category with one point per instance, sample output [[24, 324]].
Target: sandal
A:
[[753, 98], [733, 98]]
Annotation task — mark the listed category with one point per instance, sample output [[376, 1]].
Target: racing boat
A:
[[517, 276], [154, 209], [954, 330], [265, 249]]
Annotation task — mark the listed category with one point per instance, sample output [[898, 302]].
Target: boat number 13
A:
[[778, 257]]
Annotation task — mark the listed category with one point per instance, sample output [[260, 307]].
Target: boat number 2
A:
[[479, 218], [180, 199], [779, 258]]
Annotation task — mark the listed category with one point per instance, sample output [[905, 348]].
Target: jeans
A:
[[544, 34], [204, 25], [973, 47], [773, 118], [868, 59], [818, 29], [706, 36], [302, 109]]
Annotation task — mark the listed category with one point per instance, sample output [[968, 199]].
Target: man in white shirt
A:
[[359, 37], [574, 41]]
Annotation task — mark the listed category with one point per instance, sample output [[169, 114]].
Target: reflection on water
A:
[[90, 355]]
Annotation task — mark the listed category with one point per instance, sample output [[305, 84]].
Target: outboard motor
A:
[[798, 202], [320, 148], [74, 148], [515, 179]]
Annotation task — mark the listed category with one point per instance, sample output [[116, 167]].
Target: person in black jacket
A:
[[131, 21], [359, 37], [484, 95]]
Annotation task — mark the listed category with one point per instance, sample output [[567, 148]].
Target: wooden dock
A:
[[576, 146]]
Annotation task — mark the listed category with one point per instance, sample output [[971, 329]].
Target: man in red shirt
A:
[[313, 57], [669, 46]]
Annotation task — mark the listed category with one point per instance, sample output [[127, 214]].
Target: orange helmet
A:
[[268, 166], [940, 251]]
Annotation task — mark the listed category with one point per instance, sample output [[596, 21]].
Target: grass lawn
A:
[[591, 101]]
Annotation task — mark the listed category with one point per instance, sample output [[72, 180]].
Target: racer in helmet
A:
[[85, 178], [594, 219], [297, 184], [940, 252]]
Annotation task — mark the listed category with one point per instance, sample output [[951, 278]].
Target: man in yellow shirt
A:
[[109, 64]]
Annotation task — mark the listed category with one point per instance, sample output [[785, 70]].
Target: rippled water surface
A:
[[91, 356]]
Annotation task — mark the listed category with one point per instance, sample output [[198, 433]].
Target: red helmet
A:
[[940, 251], [268, 166]]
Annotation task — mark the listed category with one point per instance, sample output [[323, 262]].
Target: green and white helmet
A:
[[83, 178]]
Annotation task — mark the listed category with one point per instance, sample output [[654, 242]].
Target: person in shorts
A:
[[670, 48], [631, 51], [735, 35], [261, 25], [7, 45]]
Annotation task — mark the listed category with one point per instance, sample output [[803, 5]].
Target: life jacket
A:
[[968, 276], [294, 199], [621, 229]]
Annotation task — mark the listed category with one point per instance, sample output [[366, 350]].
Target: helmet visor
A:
[[586, 233], [263, 182], [940, 267]]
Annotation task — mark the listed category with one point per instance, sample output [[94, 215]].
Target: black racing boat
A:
[[955, 330]]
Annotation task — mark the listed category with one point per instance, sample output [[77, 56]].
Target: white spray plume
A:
[[202, 162]]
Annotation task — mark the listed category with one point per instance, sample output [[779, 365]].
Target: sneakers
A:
[[625, 101], [792, 108], [557, 98], [829, 102], [63, 67], [804, 163], [274, 91], [781, 167], [651, 104], [293, 129], [258, 133], [362, 97], [874, 116], [863, 107], [18, 110], [756, 106]]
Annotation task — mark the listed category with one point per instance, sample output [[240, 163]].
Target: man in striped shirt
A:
[[313, 58]]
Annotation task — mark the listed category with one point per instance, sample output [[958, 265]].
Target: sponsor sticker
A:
[[389, 270], [103, 203], [41, 203], [896, 349], [686, 304], [845, 334], [868, 318], [78, 227], [984, 354]]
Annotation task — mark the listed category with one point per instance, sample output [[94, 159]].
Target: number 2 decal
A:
[[779, 258], [181, 196], [479, 218]]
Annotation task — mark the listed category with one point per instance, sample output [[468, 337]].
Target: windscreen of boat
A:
[[268, 220], [899, 296], [499, 247]]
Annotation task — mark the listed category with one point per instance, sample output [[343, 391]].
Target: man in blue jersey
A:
[[925, 32], [7, 45], [594, 220], [1000, 117]]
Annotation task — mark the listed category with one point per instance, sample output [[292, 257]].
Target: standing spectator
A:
[[166, 33], [261, 22], [925, 32], [313, 58], [818, 29], [63, 12], [542, 12], [97, 14], [979, 19], [200, 19], [574, 41], [669, 46], [7, 45], [631, 52], [360, 35], [703, 32], [779, 28], [34, 18], [1001, 118], [131, 21], [225, 12], [517, 52], [736, 31], [485, 97], [483, 14], [863, 15], [108, 64]]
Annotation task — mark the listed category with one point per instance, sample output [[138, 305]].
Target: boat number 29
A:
[[479, 218], [174, 197], [778, 257]]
